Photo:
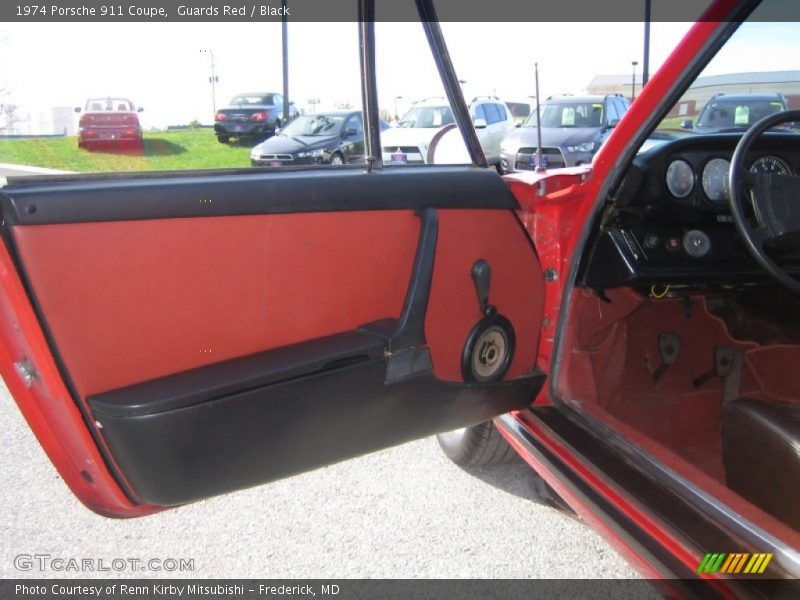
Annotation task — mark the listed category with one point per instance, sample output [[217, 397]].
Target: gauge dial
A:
[[715, 180], [696, 243], [771, 165], [680, 178]]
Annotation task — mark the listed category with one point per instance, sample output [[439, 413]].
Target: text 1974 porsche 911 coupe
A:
[[631, 326]]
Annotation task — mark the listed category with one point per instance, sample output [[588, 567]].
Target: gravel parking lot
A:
[[404, 512]]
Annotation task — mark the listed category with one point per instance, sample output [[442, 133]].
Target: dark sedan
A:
[[332, 138], [253, 116]]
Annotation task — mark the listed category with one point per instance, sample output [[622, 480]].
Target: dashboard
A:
[[670, 224]]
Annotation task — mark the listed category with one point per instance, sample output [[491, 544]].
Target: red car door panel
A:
[[464, 237], [222, 331], [211, 289]]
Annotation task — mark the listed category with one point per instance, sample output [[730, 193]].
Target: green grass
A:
[[161, 150], [673, 122]]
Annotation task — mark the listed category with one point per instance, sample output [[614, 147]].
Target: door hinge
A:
[[26, 371]]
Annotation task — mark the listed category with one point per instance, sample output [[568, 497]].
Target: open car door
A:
[[170, 337]]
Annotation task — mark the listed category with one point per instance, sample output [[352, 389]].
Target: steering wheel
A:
[[775, 201]]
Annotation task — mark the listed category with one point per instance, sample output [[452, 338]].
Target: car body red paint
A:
[[109, 121], [555, 208]]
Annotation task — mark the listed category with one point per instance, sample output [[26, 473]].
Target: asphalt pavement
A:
[[406, 512], [12, 170]]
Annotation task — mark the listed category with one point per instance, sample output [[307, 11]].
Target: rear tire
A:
[[478, 446], [223, 139], [337, 159]]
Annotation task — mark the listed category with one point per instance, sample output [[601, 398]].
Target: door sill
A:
[[678, 509]]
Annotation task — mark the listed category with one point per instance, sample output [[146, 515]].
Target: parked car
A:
[[573, 129], [735, 112], [251, 116], [628, 327], [492, 122], [333, 138], [108, 120], [520, 110], [407, 143]]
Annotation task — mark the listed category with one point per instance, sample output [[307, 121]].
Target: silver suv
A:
[[573, 129]]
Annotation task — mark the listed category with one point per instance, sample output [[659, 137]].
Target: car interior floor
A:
[[659, 370]]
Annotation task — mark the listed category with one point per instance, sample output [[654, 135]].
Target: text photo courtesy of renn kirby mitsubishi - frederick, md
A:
[[420, 298]]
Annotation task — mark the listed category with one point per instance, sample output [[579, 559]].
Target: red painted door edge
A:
[[47, 405]]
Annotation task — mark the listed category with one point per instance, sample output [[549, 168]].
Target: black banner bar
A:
[[347, 589], [154, 11]]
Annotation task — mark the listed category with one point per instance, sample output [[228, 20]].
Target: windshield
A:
[[313, 125], [252, 100], [755, 74], [108, 105], [741, 113], [569, 114], [427, 116]]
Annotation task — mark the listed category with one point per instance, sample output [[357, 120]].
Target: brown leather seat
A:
[[761, 454]]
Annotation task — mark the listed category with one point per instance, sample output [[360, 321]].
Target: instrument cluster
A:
[[671, 224], [708, 177]]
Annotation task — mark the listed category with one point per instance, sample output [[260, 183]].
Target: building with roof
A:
[[615, 84], [701, 91]]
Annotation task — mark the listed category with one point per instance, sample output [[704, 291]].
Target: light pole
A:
[[463, 84], [633, 80], [540, 168], [646, 57], [213, 79], [396, 116], [285, 52]]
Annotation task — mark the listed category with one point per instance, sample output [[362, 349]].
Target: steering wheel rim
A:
[[430, 156], [741, 180]]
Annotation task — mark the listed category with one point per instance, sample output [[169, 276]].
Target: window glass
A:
[[320, 125], [255, 99], [427, 115], [613, 109], [355, 122], [567, 113], [738, 87], [192, 95], [478, 112], [501, 112], [109, 105], [736, 113], [492, 115], [520, 111], [193, 100]]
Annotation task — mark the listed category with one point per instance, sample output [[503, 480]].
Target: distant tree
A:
[[8, 111], [8, 117]]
